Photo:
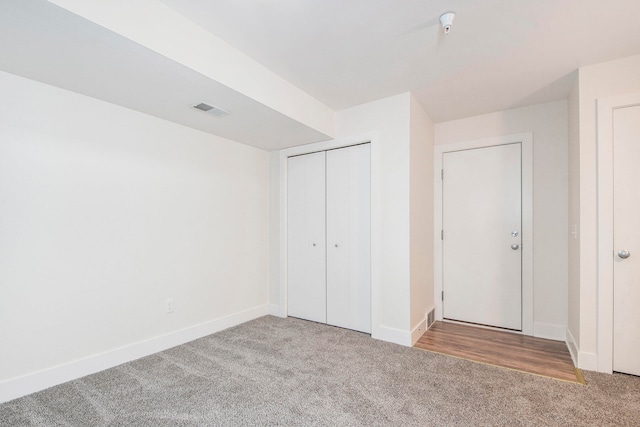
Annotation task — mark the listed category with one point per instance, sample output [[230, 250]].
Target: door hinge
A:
[[441, 173], [442, 296], [441, 234]]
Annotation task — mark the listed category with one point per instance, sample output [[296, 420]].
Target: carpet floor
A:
[[274, 371]]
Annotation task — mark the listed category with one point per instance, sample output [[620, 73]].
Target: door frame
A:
[[526, 141], [372, 138], [605, 108]]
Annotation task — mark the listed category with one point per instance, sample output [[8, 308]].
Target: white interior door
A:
[[626, 237], [306, 257], [482, 220], [348, 238]]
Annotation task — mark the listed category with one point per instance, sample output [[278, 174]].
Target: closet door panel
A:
[[348, 238], [306, 258]]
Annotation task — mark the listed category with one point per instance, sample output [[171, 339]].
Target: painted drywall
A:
[[548, 122], [153, 25], [573, 296], [275, 271], [420, 216], [106, 213], [386, 124], [598, 81], [391, 118]]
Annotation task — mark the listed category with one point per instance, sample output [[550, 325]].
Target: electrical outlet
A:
[[168, 306]]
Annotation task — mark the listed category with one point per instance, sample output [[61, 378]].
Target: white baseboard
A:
[[276, 310], [581, 359], [396, 336], [587, 361], [550, 332], [418, 330], [572, 346], [30, 383]]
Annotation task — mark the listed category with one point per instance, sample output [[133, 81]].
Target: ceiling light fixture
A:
[[446, 19]]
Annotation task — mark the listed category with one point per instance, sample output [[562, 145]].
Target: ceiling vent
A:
[[211, 109]]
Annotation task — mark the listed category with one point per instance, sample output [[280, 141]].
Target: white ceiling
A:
[[500, 53], [44, 42]]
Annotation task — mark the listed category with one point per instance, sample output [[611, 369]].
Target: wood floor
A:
[[514, 351]]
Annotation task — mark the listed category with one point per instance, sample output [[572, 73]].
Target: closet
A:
[[329, 237]]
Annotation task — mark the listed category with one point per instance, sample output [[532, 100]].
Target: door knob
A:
[[314, 244], [624, 254], [336, 245], [514, 233], [515, 246]]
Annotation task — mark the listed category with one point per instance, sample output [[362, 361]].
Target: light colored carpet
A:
[[274, 371]]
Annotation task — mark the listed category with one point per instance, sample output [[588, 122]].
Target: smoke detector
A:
[[211, 109], [446, 19]]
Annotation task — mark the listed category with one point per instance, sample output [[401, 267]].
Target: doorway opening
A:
[[618, 318], [460, 227], [518, 352]]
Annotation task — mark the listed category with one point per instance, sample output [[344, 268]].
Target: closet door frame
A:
[[373, 138], [602, 361]]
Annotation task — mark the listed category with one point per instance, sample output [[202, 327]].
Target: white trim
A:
[[587, 361], [549, 331], [376, 231], [276, 310], [20, 386], [526, 140], [605, 226], [572, 346], [418, 330], [393, 335]]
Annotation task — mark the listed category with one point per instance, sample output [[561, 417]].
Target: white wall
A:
[[386, 123], [598, 81], [105, 213], [573, 296], [548, 122], [276, 280], [391, 118], [421, 217]]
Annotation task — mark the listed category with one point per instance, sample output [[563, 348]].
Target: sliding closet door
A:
[[306, 258], [348, 238]]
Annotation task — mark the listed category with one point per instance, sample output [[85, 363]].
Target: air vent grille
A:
[[430, 318], [211, 109], [203, 107]]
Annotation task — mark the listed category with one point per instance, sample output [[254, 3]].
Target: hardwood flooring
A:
[[514, 351]]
